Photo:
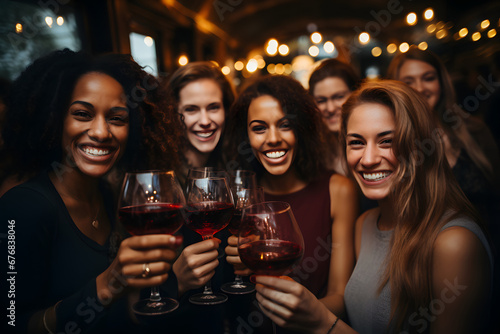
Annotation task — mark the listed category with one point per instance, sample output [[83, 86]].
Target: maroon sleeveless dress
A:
[[311, 208]]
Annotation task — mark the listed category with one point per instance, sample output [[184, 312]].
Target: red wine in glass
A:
[[208, 218], [234, 224], [152, 203], [152, 218], [209, 210], [270, 257], [270, 241]]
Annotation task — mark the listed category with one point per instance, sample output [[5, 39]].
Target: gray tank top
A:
[[367, 310]]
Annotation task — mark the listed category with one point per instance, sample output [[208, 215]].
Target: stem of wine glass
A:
[[155, 294], [208, 286], [238, 279]]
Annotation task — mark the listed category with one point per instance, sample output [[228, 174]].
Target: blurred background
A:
[[254, 37]]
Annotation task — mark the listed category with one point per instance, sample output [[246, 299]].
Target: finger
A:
[[232, 241], [130, 256], [146, 269], [197, 260], [272, 307], [150, 241], [147, 282], [233, 251], [203, 246], [271, 315], [234, 260], [277, 283]]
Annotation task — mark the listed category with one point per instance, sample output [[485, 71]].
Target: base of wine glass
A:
[[149, 307], [238, 288], [208, 298]]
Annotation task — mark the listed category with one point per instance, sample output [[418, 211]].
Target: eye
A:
[[119, 119], [355, 143], [285, 125], [190, 110], [430, 78], [320, 101], [82, 115], [258, 128], [386, 142], [214, 107]]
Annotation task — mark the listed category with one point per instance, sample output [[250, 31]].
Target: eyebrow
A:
[[381, 134], [262, 122], [91, 106]]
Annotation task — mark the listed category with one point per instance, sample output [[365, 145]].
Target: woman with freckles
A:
[[284, 136], [71, 120], [423, 262]]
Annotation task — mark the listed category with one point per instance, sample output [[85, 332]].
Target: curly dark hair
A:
[[202, 70], [304, 118], [39, 102]]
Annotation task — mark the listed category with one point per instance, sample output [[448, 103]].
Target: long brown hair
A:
[[449, 113], [425, 191]]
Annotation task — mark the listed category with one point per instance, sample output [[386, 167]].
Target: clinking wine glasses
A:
[[152, 203], [270, 241]]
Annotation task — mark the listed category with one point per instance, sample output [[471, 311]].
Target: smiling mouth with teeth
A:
[[275, 154], [95, 151], [205, 134], [375, 176]]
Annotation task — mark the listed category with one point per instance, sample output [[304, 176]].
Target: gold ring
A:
[[145, 270]]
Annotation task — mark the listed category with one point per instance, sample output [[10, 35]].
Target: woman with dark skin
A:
[[71, 120], [280, 122]]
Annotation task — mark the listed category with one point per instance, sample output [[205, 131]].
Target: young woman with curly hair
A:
[[423, 262], [277, 129], [71, 119]]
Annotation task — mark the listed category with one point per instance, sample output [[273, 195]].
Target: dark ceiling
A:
[[249, 23]]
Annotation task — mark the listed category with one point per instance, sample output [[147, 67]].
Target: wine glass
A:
[[209, 210], [152, 202], [270, 241]]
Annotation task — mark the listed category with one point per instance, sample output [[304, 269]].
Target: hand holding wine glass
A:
[[151, 203], [209, 210]]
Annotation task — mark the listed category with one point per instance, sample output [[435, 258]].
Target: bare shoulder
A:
[[341, 186]]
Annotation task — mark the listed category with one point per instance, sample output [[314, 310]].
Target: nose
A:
[[330, 106], [99, 129], [370, 157], [204, 120], [418, 86], [273, 136]]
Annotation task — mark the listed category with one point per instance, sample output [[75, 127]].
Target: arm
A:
[[291, 305], [196, 265], [344, 211], [461, 282]]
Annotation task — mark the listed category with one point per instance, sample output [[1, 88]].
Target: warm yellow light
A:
[[431, 28], [49, 21], [183, 60], [261, 63], [476, 36], [284, 49], [329, 47], [411, 19], [60, 20], [364, 37], [403, 47], [314, 51], [148, 41], [288, 68], [440, 25], [252, 65], [316, 37], [271, 50], [273, 43], [19, 28], [441, 34], [423, 46], [429, 14], [271, 68], [463, 32], [225, 70], [492, 33], [238, 66], [376, 51], [279, 69], [485, 24], [391, 48]]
